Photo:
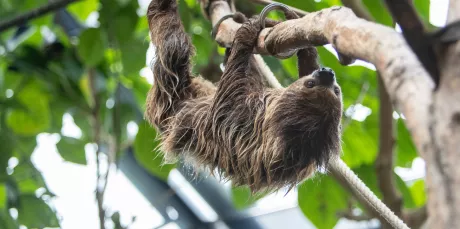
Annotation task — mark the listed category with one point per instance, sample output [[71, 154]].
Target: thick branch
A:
[[40, 11], [402, 74], [443, 175]]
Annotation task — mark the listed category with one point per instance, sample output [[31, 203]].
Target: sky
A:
[[74, 184]]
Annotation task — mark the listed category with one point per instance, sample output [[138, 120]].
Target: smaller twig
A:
[[40, 11], [267, 2], [97, 128], [416, 218]]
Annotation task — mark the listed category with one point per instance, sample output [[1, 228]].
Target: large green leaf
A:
[[126, 21], [405, 192], [243, 198], [320, 199], [6, 221], [359, 147], [423, 9], [133, 55], [3, 196], [37, 117], [6, 151], [146, 153], [379, 12], [418, 193], [72, 150], [28, 178], [82, 9], [91, 46], [405, 147], [35, 213]]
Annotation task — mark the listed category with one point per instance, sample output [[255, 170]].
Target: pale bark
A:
[[443, 174]]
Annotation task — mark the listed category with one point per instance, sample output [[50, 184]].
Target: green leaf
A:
[[35, 213], [359, 147], [126, 21], [28, 178], [405, 148], [242, 197], [3, 196], [37, 117], [405, 192], [72, 149], [146, 153], [379, 12], [205, 46], [418, 193], [82, 9], [133, 56], [321, 199], [423, 9], [91, 46], [6, 221], [6, 151], [140, 88]]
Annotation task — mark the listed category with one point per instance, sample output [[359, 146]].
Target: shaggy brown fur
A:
[[258, 136]]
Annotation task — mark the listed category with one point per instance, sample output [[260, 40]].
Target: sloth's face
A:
[[316, 94], [321, 81]]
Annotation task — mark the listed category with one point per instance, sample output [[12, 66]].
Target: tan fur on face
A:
[[253, 135]]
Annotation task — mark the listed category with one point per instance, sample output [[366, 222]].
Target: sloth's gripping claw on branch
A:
[[307, 58]]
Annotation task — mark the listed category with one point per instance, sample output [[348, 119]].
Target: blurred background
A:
[[76, 153]]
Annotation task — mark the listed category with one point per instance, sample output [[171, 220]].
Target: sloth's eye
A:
[[310, 84], [336, 90]]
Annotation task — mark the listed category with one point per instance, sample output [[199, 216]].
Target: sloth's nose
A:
[[326, 76]]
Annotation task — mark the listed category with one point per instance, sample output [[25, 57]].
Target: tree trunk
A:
[[443, 175]]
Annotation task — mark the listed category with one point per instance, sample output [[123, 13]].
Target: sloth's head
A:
[[307, 122], [321, 81], [317, 94]]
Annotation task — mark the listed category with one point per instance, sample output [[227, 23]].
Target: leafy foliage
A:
[[42, 78], [321, 199]]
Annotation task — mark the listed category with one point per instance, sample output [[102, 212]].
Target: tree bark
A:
[[443, 175]]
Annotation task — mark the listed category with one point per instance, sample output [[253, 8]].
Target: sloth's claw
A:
[[277, 6]]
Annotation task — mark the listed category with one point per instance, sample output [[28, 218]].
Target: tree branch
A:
[[385, 158], [416, 218], [40, 11]]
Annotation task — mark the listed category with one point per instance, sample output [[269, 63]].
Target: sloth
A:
[[265, 138]]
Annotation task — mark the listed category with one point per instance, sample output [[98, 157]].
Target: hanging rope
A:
[[340, 167]]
